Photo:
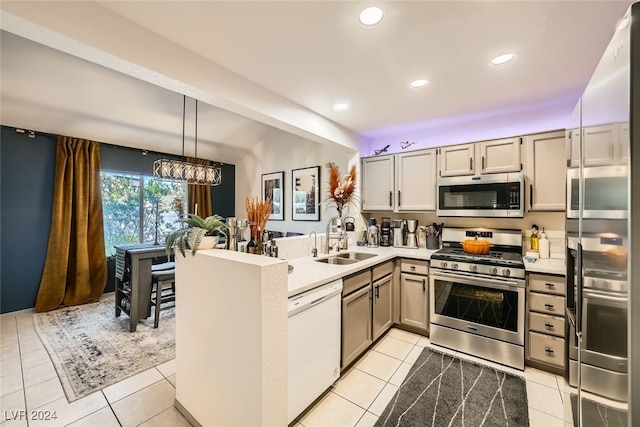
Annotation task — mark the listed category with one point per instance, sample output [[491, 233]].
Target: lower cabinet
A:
[[414, 285], [367, 309], [356, 324], [546, 322]]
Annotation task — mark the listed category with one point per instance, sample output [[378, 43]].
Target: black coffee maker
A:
[[385, 232]]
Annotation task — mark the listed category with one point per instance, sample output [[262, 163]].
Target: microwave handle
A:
[[579, 291]]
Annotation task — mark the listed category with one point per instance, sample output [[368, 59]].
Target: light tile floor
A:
[[29, 382]]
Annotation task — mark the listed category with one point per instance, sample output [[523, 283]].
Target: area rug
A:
[[441, 390], [91, 348]]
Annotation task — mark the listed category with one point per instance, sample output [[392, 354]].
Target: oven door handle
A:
[[587, 294], [472, 280]]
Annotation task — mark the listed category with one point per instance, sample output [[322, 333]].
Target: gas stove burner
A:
[[493, 257]]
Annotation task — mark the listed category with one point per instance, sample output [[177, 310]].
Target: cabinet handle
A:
[[399, 199], [471, 164], [413, 268], [482, 162], [370, 294], [378, 291], [531, 196], [549, 306], [549, 351], [390, 198], [424, 286], [548, 325], [550, 285]]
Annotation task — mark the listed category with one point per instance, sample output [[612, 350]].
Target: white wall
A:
[[282, 151]]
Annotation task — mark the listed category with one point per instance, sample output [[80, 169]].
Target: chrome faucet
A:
[[341, 237], [314, 251]]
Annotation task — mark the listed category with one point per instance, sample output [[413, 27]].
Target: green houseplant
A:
[[190, 236]]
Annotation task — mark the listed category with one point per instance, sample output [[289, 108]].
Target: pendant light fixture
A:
[[192, 173]]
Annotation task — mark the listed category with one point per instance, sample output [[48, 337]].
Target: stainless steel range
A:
[[477, 302]]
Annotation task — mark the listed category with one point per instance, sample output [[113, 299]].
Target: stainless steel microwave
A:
[[605, 192], [492, 195]]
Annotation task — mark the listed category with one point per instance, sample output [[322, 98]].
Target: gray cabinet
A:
[[416, 181], [545, 171], [546, 321], [378, 183], [414, 283], [356, 324], [402, 182], [495, 156], [367, 309]]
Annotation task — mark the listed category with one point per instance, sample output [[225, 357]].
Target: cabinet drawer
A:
[[414, 266], [546, 283], [356, 281], [546, 324], [544, 303], [381, 270], [547, 349]]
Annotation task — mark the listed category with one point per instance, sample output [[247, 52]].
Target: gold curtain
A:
[[200, 194], [75, 269]]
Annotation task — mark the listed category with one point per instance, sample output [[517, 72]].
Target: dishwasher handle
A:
[[311, 298]]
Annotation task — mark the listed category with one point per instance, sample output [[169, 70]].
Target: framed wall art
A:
[[305, 189], [273, 188]]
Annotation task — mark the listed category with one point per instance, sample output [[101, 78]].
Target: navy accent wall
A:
[[26, 195], [27, 168]]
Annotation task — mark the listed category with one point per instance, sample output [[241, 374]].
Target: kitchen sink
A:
[[337, 260], [358, 256], [346, 258]]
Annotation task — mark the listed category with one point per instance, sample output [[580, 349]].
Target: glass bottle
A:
[[251, 246], [258, 241], [534, 238]]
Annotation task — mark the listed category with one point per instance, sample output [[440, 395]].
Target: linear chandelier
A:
[[180, 170]]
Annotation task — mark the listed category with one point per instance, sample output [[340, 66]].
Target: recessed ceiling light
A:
[[418, 83], [502, 58], [371, 16], [341, 106], [622, 24]]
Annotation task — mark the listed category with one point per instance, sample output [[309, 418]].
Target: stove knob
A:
[[506, 272], [454, 266], [606, 284], [494, 270], [443, 264], [473, 268], [594, 283]]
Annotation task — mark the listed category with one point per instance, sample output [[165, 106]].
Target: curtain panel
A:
[[200, 194], [75, 269]]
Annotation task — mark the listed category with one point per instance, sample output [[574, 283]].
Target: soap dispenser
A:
[[544, 245]]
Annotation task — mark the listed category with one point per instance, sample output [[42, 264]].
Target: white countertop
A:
[[548, 265], [308, 274]]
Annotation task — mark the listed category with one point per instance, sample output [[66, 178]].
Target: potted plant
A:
[[197, 229]]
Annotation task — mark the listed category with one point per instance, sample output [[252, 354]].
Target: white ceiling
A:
[[265, 67]]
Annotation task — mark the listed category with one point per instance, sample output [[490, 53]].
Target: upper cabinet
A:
[[401, 182], [416, 181], [602, 145], [496, 156], [377, 183], [545, 171]]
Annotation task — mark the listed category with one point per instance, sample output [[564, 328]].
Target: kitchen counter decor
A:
[[340, 193], [195, 232], [258, 212]]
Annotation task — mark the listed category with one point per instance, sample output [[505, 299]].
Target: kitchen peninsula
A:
[[231, 331]]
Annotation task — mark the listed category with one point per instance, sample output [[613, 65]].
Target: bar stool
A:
[[160, 281]]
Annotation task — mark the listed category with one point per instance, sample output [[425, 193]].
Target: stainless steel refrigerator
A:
[[603, 238]]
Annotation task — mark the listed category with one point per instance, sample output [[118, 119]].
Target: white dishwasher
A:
[[314, 345]]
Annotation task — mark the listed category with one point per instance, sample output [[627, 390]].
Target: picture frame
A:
[[273, 188], [305, 193]]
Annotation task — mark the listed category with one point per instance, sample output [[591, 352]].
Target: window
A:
[[136, 206]]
